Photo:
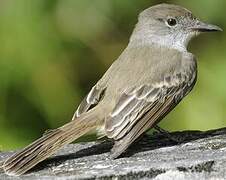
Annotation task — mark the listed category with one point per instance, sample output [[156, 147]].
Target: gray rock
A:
[[200, 155]]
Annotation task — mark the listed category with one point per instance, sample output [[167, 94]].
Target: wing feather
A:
[[91, 100], [141, 108], [148, 121]]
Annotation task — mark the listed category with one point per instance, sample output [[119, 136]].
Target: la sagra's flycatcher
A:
[[152, 75]]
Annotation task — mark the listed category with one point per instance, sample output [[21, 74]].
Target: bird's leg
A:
[[167, 134]]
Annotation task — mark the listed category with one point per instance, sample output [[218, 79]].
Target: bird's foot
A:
[[167, 134]]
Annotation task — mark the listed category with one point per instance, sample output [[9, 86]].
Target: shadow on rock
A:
[[145, 143]]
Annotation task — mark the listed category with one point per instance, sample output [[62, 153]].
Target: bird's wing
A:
[[90, 101], [139, 109]]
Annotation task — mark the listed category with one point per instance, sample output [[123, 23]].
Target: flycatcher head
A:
[[169, 25]]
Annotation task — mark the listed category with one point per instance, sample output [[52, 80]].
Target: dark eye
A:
[[172, 22]]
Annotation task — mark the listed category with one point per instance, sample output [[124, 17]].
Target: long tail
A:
[[49, 143]]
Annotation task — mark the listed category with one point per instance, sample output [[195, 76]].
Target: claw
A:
[[168, 135]]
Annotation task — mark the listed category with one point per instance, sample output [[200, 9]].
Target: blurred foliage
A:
[[53, 51]]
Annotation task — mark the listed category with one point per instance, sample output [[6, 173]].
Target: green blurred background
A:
[[53, 51]]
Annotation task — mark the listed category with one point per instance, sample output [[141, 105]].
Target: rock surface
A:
[[201, 155]]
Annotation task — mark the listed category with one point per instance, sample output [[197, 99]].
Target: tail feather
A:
[[48, 144], [29, 150]]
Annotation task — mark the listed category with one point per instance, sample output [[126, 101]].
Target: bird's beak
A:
[[204, 27]]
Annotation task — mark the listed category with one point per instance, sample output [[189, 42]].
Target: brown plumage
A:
[[153, 74], [49, 143]]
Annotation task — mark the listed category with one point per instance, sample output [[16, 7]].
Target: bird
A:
[[146, 82]]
